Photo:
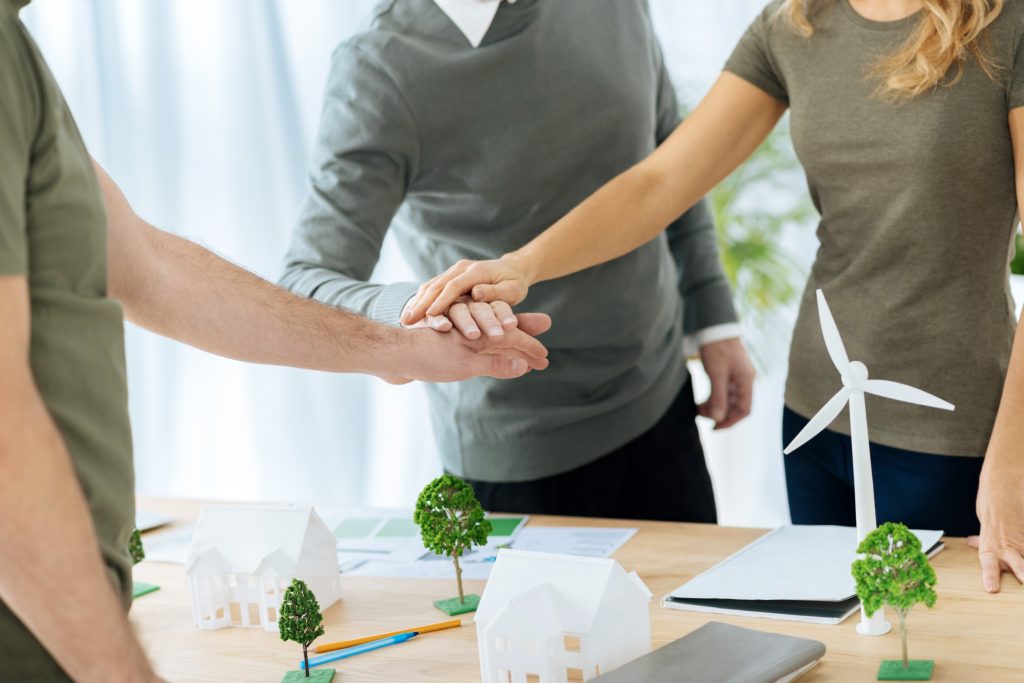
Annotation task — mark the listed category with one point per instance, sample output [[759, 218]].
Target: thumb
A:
[[511, 291], [717, 405], [534, 324]]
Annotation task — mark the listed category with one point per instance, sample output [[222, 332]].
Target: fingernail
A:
[[472, 330], [990, 587], [495, 331], [509, 321]]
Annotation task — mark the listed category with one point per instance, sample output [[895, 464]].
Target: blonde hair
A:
[[949, 32]]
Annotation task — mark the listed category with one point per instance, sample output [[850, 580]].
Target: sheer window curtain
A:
[[205, 114]]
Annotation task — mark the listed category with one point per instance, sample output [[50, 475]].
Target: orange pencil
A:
[[440, 626]]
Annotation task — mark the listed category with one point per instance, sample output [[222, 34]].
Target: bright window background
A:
[[205, 113]]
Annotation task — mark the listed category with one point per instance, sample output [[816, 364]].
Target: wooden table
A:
[[971, 635]]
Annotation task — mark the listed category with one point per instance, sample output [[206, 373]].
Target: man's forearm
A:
[[198, 298], [52, 575]]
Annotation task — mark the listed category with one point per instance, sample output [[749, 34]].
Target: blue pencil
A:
[[359, 649]]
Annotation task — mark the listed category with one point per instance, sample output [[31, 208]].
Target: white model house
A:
[[244, 557], [547, 618]]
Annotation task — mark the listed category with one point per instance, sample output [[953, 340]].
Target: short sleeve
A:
[[1015, 91], [752, 58], [17, 100]]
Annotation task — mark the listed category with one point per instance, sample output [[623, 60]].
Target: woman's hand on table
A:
[[1001, 513]]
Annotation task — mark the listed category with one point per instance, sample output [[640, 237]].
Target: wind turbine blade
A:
[[902, 392], [823, 419], [833, 342]]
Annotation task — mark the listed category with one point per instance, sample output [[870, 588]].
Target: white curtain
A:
[[205, 114]]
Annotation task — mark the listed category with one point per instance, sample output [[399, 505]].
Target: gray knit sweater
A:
[[469, 153]]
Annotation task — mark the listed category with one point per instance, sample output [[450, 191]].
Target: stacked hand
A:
[[488, 340], [498, 282]]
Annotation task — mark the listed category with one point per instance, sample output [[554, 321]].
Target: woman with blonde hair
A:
[[908, 118]]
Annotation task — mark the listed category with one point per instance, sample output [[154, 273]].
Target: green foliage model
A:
[[299, 619], [894, 571], [135, 548], [451, 520]]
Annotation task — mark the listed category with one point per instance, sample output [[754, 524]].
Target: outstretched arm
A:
[[178, 289], [630, 210], [1001, 489]]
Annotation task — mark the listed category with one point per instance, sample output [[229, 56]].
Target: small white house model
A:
[[547, 618], [244, 557]]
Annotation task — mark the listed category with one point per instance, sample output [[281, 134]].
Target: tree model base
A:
[[452, 607], [315, 676], [916, 670], [140, 588]]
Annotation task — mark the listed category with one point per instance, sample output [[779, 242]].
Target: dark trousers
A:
[[659, 475], [920, 490]]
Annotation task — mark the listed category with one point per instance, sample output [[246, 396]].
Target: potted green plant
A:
[[451, 522], [893, 570]]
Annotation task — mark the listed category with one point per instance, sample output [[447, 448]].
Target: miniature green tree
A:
[[451, 521], [299, 619], [893, 570], [135, 548], [138, 554]]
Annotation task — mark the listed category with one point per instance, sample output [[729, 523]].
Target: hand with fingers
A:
[[732, 382], [497, 280], [433, 356], [471, 318], [1001, 512]]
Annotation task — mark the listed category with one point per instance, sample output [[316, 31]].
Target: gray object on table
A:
[[720, 653]]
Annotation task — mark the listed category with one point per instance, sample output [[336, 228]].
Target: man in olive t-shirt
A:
[[66, 480]]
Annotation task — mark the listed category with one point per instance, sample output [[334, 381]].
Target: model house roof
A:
[[250, 539], [575, 587]]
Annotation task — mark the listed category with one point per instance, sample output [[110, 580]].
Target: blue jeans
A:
[[920, 490]]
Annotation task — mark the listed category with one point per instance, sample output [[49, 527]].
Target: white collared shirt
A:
[[472, 17]]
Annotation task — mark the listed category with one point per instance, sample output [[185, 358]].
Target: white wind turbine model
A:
[[855, 384]]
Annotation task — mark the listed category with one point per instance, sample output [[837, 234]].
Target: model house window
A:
[[573, 642]]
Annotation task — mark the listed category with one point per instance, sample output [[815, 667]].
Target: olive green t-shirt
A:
[[918, 208], [53, 232]]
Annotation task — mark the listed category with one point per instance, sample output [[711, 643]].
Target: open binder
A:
[[798, 573]]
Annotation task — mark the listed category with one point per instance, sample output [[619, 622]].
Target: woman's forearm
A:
[[630, 210], [1005, 447]]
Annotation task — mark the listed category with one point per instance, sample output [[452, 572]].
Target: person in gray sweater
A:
[[467, 128]]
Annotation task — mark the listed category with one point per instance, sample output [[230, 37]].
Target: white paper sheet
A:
[[364, 535], [146, 520], [789, 563], [169, 546], [586, 541]]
